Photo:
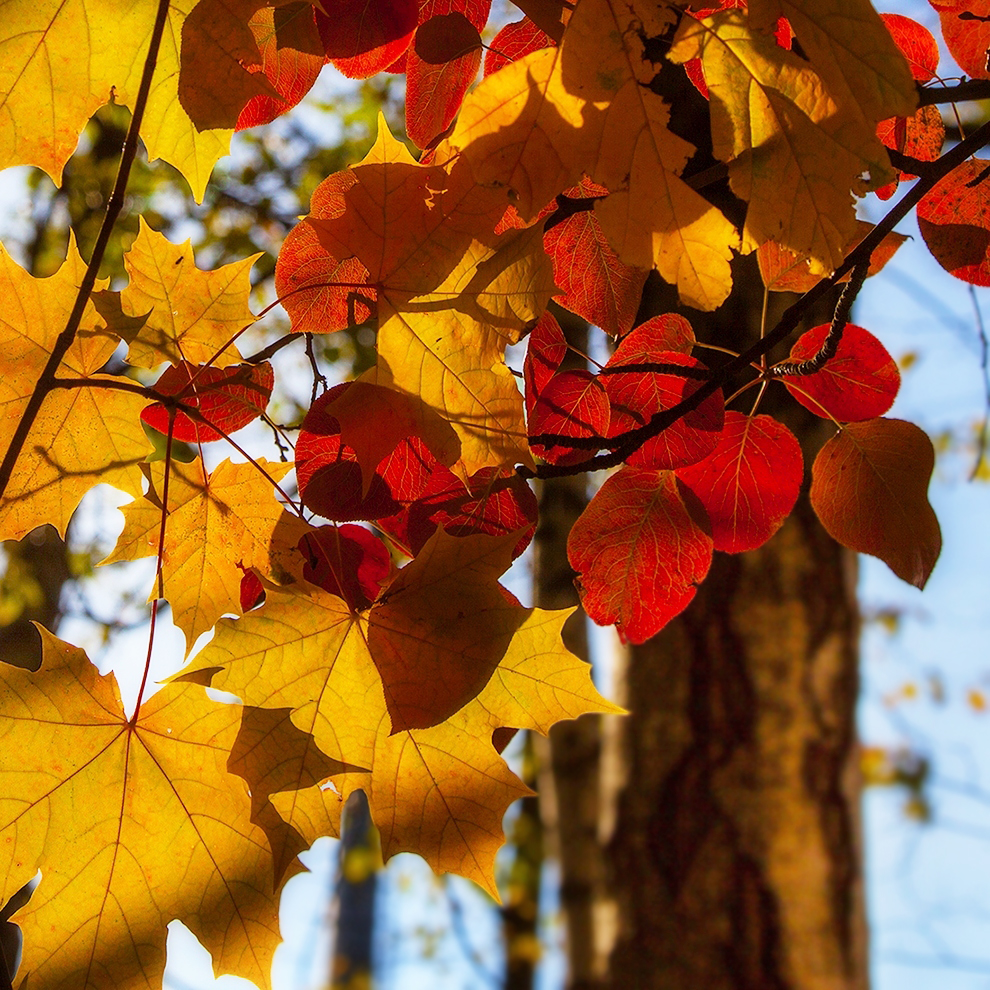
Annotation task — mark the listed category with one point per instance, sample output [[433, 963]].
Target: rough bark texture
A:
[[734, 845], [737, 830]]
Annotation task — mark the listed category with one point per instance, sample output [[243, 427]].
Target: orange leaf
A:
[[869, 486], [641, 548], [132, 824]]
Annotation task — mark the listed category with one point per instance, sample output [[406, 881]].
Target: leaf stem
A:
[[46, 381]]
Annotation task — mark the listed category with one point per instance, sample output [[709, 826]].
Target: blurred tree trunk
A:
[[357, 885]]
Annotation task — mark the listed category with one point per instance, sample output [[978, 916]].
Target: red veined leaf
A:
[[784, 271], [636, 395], [227, 399], [548, 15], [321, 293], [666, 332], [869, 487], [859, 382], [955, 222], [596, 284], [546, 351], [573, 404], [493, 502], [330, 478], [921, 136], [917, 44], [513, 42], [291, 58], [442, 65], [347, 561], [363, 37], [966, 29], [749, 483], [641, 548]]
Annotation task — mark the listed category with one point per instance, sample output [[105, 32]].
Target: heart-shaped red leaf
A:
[[955, 222], [636, 395], [573, 404], [347, 561], [641, 548], [363, 37], [749, 483], [860, 381], [869, 486]]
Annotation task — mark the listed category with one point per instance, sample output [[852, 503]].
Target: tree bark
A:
[[734, 844]]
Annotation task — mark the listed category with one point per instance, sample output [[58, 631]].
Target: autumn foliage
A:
[[384, 656]]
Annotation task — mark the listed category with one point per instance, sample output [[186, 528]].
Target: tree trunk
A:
[[735, 845]]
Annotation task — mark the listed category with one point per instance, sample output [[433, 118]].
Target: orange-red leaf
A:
[[348, 561], [917, 44], [749, 483], [641, 548], [441, 63], [859, 382], [227, 399], [596, 284], [869, 486], [492, 502], [574, 404], [955, 222], [291, 58], [637, 394], [363, 37], [331, 480], [513, 42], [966, 29], [544, 355]]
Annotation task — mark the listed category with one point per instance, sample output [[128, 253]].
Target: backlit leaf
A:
[[955, 223], [108, 810], [193, 315], [869, 486], [749, 483], [641, 548], [363, 37], [859, 382], [226, 398], [513, 42], [573, 404], [216, 521], [966, 29]]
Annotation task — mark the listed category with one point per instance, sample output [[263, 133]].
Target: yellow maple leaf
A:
[[537, 125], [452, 294], [442, 790], [132, 823], [797, 143], [192, 315], [215, 521], [71, 58], [82, 435]]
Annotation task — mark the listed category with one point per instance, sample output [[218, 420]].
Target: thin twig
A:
[[46, 381]]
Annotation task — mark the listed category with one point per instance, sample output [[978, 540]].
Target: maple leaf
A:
[[73, 58], [439, 790], [133, 822], [82, 435], [217, 523], [536, 126], [193, 315], [796, 140], [451, 294]]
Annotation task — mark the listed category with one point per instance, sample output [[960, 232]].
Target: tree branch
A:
[[786, 325], [46, 381], [968, 89]]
